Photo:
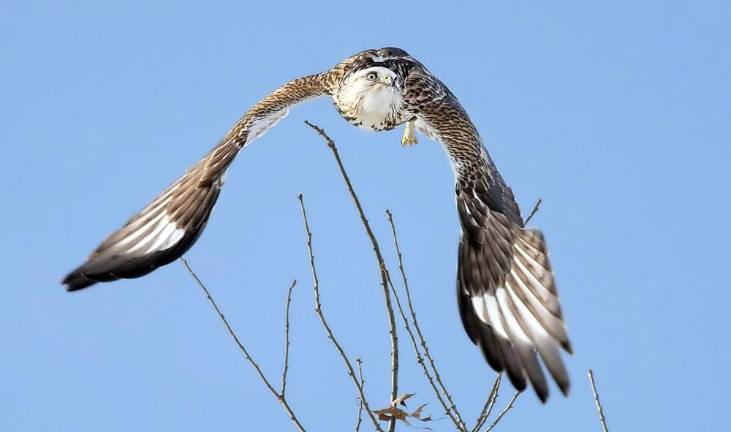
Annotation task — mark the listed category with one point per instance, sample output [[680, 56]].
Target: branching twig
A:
[[420, 347], [381, 265], [489, 403], [359, 363], [420, 361], [599, 408], [533, 212], [326, 325], [450, 409], [507, 408], [285, 368], [280, 397]]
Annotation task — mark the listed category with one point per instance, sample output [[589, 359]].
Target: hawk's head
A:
[[368, 88]]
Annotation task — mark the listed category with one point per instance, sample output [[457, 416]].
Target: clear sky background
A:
[[615, 113]]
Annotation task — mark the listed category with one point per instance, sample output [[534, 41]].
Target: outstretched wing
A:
[[165, 229], [505, 287]]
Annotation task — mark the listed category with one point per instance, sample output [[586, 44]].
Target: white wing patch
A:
[[511, 320], [493, 314], [137, 233], [524, 311], [169, 236], [261, 125], [487, 310], [478, 304], [162, 233]]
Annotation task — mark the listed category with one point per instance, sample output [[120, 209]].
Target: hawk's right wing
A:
[[505, 288], [165, 229]]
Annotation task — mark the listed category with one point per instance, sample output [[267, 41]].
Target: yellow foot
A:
[[409, 137]]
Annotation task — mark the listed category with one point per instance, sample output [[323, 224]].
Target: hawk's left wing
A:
[[505, 288], [165, 229]]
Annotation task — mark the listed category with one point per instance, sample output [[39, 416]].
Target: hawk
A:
[[506, 294]]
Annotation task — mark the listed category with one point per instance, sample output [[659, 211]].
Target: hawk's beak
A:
[[386, 81]]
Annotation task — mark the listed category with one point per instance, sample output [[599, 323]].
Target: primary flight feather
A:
[[506, 292]]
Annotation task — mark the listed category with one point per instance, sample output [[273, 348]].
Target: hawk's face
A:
[[371, 98]]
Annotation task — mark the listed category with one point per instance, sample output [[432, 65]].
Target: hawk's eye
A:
[[372, 76]]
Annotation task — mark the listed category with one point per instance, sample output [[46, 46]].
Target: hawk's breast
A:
[[376, 109]]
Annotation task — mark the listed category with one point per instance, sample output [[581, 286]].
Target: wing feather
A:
[[505, 287], [167, 227]]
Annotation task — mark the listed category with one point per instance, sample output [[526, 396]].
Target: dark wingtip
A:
[[517, 379], [75, 281], [566, 345], [541, 393], [564, 386]]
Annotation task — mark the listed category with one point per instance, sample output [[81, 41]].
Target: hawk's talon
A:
[[409, 137]]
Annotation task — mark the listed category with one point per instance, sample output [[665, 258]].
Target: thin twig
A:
[[489, 403], [359, 363], [420, 360], [285, 369], [280, 397], [599, 408], [381, 265], [533, 212], [507, 408], [451, 407], [326, 325]]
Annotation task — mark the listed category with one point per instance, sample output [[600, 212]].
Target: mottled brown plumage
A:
[[505, 288]]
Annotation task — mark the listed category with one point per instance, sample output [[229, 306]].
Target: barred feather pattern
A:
[[166, 228], [506, 291]]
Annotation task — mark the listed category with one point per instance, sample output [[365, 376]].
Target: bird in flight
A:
[[506, 293]]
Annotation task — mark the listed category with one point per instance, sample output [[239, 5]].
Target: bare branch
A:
[[533, 212], [381, 266], [450, 409], [489, 403], [280, 397], [359, 362], [420, 361], [599, 408], [326, 325], [285, 368], [507, 408]]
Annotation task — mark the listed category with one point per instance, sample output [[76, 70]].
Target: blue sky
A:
[[615, 113]]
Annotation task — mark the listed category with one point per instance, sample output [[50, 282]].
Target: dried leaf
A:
[[393, 412], [417, 412]]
